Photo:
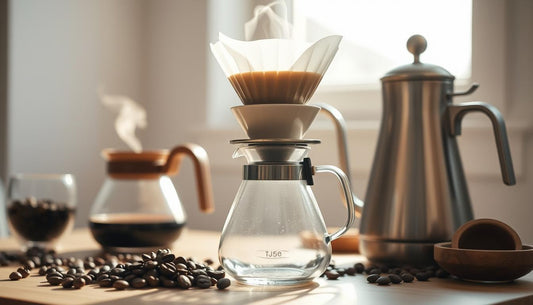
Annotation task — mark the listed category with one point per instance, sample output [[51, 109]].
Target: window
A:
[[375, 33]]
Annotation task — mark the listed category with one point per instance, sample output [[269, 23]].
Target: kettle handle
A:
[[201, 168], [342, 146], [455, 116], [345, 186]]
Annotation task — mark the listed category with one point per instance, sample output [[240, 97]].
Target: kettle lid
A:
[[416, 45]]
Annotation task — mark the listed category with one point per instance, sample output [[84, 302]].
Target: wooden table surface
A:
[[203, 244]]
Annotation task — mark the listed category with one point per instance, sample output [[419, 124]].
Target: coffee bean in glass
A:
[[40, 208]]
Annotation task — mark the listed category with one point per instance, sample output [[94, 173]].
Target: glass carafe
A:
[[275, 233], [138, 208]]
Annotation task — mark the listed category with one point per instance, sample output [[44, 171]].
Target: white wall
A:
[[155, 51], [60, 52]]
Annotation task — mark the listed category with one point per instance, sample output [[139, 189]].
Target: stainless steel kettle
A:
[[417, 194]]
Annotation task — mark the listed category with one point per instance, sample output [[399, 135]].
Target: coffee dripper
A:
[[417, 193], [137, 208]]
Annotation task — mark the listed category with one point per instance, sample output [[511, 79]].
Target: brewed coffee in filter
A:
[[276, 70]]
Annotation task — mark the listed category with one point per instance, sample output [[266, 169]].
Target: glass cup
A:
[[40, 208]]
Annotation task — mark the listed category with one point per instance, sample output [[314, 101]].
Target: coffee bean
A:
[[359, 267], [67, 282], [120, 285], [180, 260], [422, 276], [407, 277], [375, 271], [152, 280], [88, 279], [203, 282], [15, 276], [78, 283], [197, 272], [168, 258], [332, 275], [107, 282], [54, 280], [24, 272], [151, 264], [184, 282], [216, 274], [383, 280], [373, 278], [395, 279], [130, 277], [138, 282], [223, 283], [351, 271]]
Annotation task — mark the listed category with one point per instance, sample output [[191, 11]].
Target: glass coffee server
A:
[[275, 233]]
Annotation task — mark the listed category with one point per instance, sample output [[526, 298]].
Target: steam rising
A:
[[267, 24], [130, 116]]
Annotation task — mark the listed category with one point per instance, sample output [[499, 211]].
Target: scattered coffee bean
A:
[[120, 284], [78, 283], [373, 278], [407, 277], [138, 283], [67, 282], [383, 280], [24, 272], [359, 267], [122, 271], [395, 279], [15, 276], [55, 280], [203, 282], [351, 271], [223, 283], [184, 282], [332, 274], [422, 276]]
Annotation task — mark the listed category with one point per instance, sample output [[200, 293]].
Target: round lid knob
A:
[[417, 70], [416, 44]]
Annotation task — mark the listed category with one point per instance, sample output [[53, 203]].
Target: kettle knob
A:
[[416, 45]]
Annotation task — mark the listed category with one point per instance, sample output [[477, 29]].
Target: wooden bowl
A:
[[486, 234], [484, 265]]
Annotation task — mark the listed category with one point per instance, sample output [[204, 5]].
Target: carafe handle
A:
[[345, 186], [455, 117], [201, 168]]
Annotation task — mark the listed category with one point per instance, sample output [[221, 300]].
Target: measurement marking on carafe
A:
[[273, 254]]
